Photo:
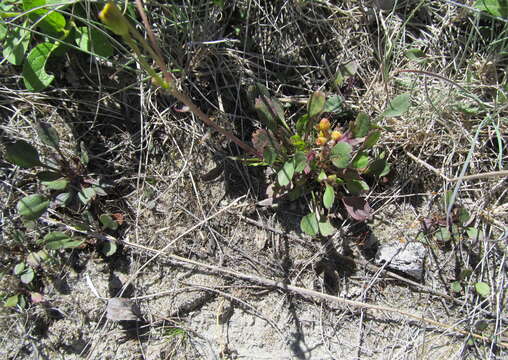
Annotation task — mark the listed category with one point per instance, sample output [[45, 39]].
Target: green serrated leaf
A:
[[333, 104], [22, 154], [108, 222], [398, 106], [34, 68], [300, 160], [58, 240], [372, 139], [316, 104], [309, 224], [361, 125], [328, 196], [360, 161], [33, 206], [341, 155], [482, 288], [48, 135], [94, 41], [285, 174], [326, 229], [456, 286], [15, 44]]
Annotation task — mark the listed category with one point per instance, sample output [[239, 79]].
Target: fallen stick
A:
[[308, 292]]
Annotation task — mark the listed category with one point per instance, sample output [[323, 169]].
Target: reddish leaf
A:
[[118, 218], [357, 208]]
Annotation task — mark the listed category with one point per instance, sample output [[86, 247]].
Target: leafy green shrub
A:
[[37, 30], [330, 162]]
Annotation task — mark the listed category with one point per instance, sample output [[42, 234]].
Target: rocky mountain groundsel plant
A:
[[322, 159]]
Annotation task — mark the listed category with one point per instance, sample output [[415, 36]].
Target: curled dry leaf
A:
[[357, 208]]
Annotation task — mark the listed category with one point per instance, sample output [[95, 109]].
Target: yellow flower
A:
[[113, 18], [324, 124], [336, 135], [321, 140]]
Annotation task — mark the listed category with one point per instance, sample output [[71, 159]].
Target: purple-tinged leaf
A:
[[357, 208]]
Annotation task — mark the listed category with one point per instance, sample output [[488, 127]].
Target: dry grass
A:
[[161, 166]]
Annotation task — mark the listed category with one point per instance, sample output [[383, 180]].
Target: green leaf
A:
[[378, 168], [34, 68], [465, 274], [60, 184], [322, 176], [33, 206], [269, 155], [18, 268], [300, 161], [15, 44], [108, 222], [37, 258], [48, 135], [301, 125], [94, 41], [482, 288], [398, 106], [285, 174], [22, 154], [50, 21], [414, 54], [443, 234], [297, 142], [309, 224], [326, 229], [83, 155], [361, 125], [270, 111], [456, 286], [12, 301], [341, 155], [493, 7], [333, 104], [58, 240], [355, 187], [27, 276], [372, 139], [48, 176], [316, 104], [63, 199], [360, 161], [475, 234], [328, 196], [86, 195], [109, 248]]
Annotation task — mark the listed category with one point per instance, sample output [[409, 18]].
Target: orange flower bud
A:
[[113, 18], [324, 124], [336, 135], [321, 140]]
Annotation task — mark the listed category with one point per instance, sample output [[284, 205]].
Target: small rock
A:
[[405, 257], [120, 309]]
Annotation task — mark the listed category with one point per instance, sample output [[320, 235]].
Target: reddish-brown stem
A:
[[182, 97]]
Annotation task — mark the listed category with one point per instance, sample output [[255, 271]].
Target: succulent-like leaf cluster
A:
[[321, 157]]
